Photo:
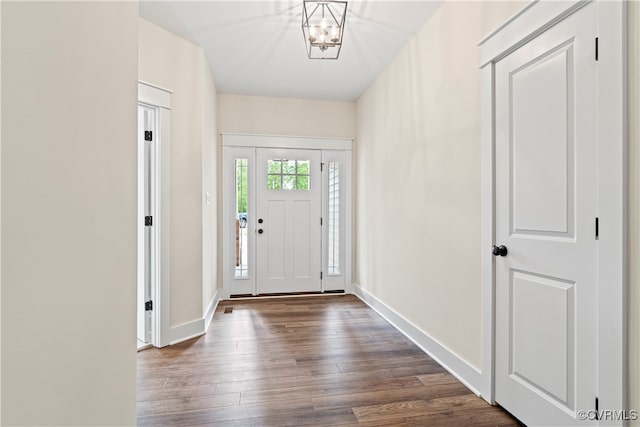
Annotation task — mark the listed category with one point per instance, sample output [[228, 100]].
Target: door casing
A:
[[159, 100], [529, 22], [244, 146]]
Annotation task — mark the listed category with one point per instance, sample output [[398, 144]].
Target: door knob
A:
[[499, 250], [260, 231]]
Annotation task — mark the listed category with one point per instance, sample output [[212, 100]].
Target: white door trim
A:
[[244, 146], [342, 280], [276, 141], [531, 21], [160, 100]]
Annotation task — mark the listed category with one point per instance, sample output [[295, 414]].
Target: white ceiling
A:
[[257, 47]]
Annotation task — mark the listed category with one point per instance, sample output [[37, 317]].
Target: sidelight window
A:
[[242, 246], [333, 243]]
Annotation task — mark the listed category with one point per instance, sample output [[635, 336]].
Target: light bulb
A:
[[323, 24], [312, 30], [334, 31], [322, 36]]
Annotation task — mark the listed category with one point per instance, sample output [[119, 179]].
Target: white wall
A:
[[418, 178], [285, 116], [69, 75], [209, 185], [173, 63]]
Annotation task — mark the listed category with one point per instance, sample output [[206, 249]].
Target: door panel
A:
[[288, 203], [275, 239], [542, 155], [552, 328], [546, 166], [302, 252]]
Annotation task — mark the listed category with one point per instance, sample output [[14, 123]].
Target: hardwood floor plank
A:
[[183, 391], [484, 417], [208, 416], [334, 417], [187, 403], [400, 395], [339, 386], [321, 361], [314, 380], [412, 408]]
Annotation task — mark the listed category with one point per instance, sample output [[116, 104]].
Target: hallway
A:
[[302, 361]]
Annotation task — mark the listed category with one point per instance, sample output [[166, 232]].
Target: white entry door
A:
[[288, 228], [546, 188]]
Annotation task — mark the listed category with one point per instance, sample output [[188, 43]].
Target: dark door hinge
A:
[[148, 306], [320, 220], [148, 221], [321, 166], [321, 275], [597, 228], [148, 135], [597, 47], [597, 410]]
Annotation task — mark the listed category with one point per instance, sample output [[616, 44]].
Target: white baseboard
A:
[[186, 331], [458, 367], [195, 328], [213, 304]]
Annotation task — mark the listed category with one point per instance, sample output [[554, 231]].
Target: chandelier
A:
[[323, 26]]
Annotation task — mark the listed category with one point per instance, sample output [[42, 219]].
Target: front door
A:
[[288, 221], [546, 188]]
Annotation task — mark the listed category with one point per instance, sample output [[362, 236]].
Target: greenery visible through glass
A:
[[288, 174], [241, 185], [242, 258]]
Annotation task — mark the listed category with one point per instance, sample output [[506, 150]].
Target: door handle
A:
[[260, 231], [499, 250]]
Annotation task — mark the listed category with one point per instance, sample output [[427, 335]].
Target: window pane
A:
[[288, 182], [333, 244], [303, 167], [241, 264], [303, 183], [289, 167], [274, 182], [275, 166]]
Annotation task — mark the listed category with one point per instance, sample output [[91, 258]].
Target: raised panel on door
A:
[[546, 339], [302, 237], [289, 206], [543, 157], [276, 248], [542, 318]]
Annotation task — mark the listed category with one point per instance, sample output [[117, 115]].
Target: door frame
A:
[[529, 22], [159, 100], [244, 146]]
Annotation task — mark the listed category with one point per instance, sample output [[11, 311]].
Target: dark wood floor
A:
[[323, 361]]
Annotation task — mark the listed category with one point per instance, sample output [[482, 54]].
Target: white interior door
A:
[[288, 229], [546, 209]]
